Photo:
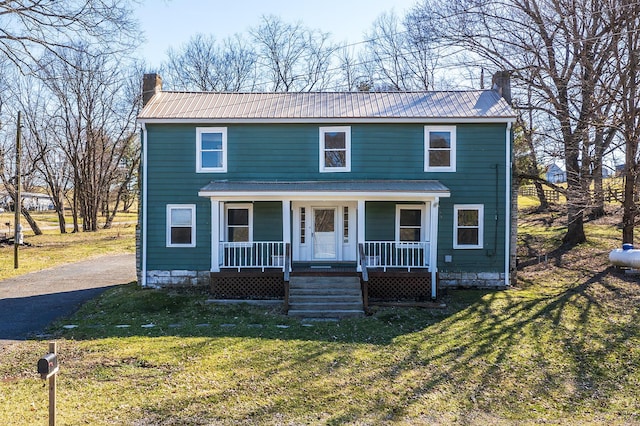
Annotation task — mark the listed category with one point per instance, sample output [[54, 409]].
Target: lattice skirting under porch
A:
[[399, 285], [247, 285]]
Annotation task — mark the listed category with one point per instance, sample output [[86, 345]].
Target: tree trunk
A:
[[576, 202], [544, 203], [32, 223], [628, 203]]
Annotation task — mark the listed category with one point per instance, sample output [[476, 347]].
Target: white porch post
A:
[[433, 251], [286, 223], [215, 235], [360, 227]]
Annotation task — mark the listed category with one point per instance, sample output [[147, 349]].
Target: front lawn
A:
[[563, 346]]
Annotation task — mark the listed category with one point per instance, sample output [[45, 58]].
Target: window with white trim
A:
[[211, 149], [409, 223], [468, 226], [181, 225], [239, 223], [439, 148], [335, 149]]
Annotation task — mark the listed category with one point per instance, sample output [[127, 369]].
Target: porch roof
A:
[[364, 189]]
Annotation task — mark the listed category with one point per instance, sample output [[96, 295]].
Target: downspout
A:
[[143, 231], [507, 198]]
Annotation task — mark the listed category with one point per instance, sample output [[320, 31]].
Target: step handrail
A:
[[287, 270], [365, 277]]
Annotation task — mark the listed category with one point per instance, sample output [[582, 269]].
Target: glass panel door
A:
[[324, 234]]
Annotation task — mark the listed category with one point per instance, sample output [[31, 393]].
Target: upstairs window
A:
[[211, 149], [468, 224], [181, 225], [335, 149], [439, 148]]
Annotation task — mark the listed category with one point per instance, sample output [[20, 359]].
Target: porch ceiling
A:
[[366, 189]]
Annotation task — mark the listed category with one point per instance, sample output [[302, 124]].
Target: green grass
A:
[[562, 347]]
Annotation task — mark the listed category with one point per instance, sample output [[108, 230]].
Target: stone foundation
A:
[[494, 280], [178, 278]]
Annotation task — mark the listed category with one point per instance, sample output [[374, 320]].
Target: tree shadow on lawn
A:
[[560, 348], [130, 311], [504, 355], [569, 350]]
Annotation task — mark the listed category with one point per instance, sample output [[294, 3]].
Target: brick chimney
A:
[[501, 83], [151, 84]]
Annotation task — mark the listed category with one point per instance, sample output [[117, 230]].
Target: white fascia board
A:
[[321, 195], [423, 120]]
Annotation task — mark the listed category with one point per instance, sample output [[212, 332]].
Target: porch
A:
[[264, 232], [389, 270]]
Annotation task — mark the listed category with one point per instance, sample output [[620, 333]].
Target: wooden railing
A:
[[253, 254], [365, 276], [396, 254]]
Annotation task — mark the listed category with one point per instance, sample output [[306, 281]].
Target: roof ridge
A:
[[329, 92]]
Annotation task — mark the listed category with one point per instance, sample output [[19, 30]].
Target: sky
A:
[[170, 23]]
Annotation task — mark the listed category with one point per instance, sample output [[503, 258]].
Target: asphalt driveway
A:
[[29, 303]]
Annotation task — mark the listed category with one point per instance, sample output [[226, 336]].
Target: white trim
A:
[[360, 231], [239, 206], [191, 207], [143, 231], [199, 132], [433, 253], [452, 149], [428, 120], [321, 195], [480, 209], [215, 235], [286, 221], [322, 149], [508, 201]]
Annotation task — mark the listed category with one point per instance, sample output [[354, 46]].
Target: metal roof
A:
[[171, 106], [388, 187]]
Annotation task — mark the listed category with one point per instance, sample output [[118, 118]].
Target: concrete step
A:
[[325, 291], [338, 281], [333, 313], [324, 285], [317, 298], [319, 306]]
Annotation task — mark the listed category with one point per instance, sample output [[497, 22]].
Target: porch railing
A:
[[253, 254], [396, 254]]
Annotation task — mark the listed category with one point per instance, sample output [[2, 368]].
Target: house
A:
[[241, 191], [555, 174], [31, 201]]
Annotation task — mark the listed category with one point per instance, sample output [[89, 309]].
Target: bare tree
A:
[[626, 57], [202, 64], [41, 144], [292, 57], [29, 29], [558, 48], [96, 120]]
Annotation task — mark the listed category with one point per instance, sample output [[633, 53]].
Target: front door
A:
[[324, 234]]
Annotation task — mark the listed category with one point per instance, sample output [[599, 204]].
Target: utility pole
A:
[[17, 204]]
